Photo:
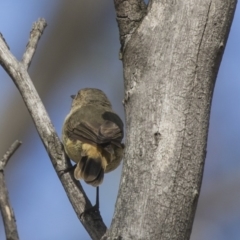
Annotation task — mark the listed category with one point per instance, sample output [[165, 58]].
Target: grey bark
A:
[[171, 59], [7, 212]]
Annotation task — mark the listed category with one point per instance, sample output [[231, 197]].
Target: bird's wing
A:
[[106, 130], [110, 132], [86, 132]]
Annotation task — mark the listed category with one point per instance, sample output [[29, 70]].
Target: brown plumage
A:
[[92, 135]]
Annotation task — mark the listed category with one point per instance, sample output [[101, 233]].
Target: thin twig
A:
[[5, 206], [13, 148], [4, 41], [17, 71], [36, 33]]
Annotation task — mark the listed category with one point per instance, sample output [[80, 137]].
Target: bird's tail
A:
[[91, 167]]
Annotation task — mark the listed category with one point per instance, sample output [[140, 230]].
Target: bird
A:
[[92, 136]]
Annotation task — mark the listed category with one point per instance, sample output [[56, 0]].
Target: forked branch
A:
[[18, 72]]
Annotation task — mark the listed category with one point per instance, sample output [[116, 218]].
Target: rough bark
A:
[[170, 64], [5, 206]]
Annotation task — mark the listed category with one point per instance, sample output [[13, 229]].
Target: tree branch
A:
[[36, 33], [17, 71], [5, 206], [9, 153]]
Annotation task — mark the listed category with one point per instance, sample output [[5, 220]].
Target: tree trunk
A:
[[171, 55]]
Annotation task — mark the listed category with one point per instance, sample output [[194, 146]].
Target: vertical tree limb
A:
[[170, 66]]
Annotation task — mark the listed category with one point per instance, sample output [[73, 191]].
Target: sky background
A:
[[78, 49]]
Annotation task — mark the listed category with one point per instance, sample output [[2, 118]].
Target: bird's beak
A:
[[73, 96]]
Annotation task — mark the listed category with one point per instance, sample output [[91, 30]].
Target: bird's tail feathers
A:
[[90, 170]]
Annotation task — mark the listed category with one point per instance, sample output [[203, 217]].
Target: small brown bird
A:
[[92, 134]]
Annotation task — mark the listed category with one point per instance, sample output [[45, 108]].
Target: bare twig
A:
[[17, 71], [9, 153], [5, 206], [36, 33], [1, 36]]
